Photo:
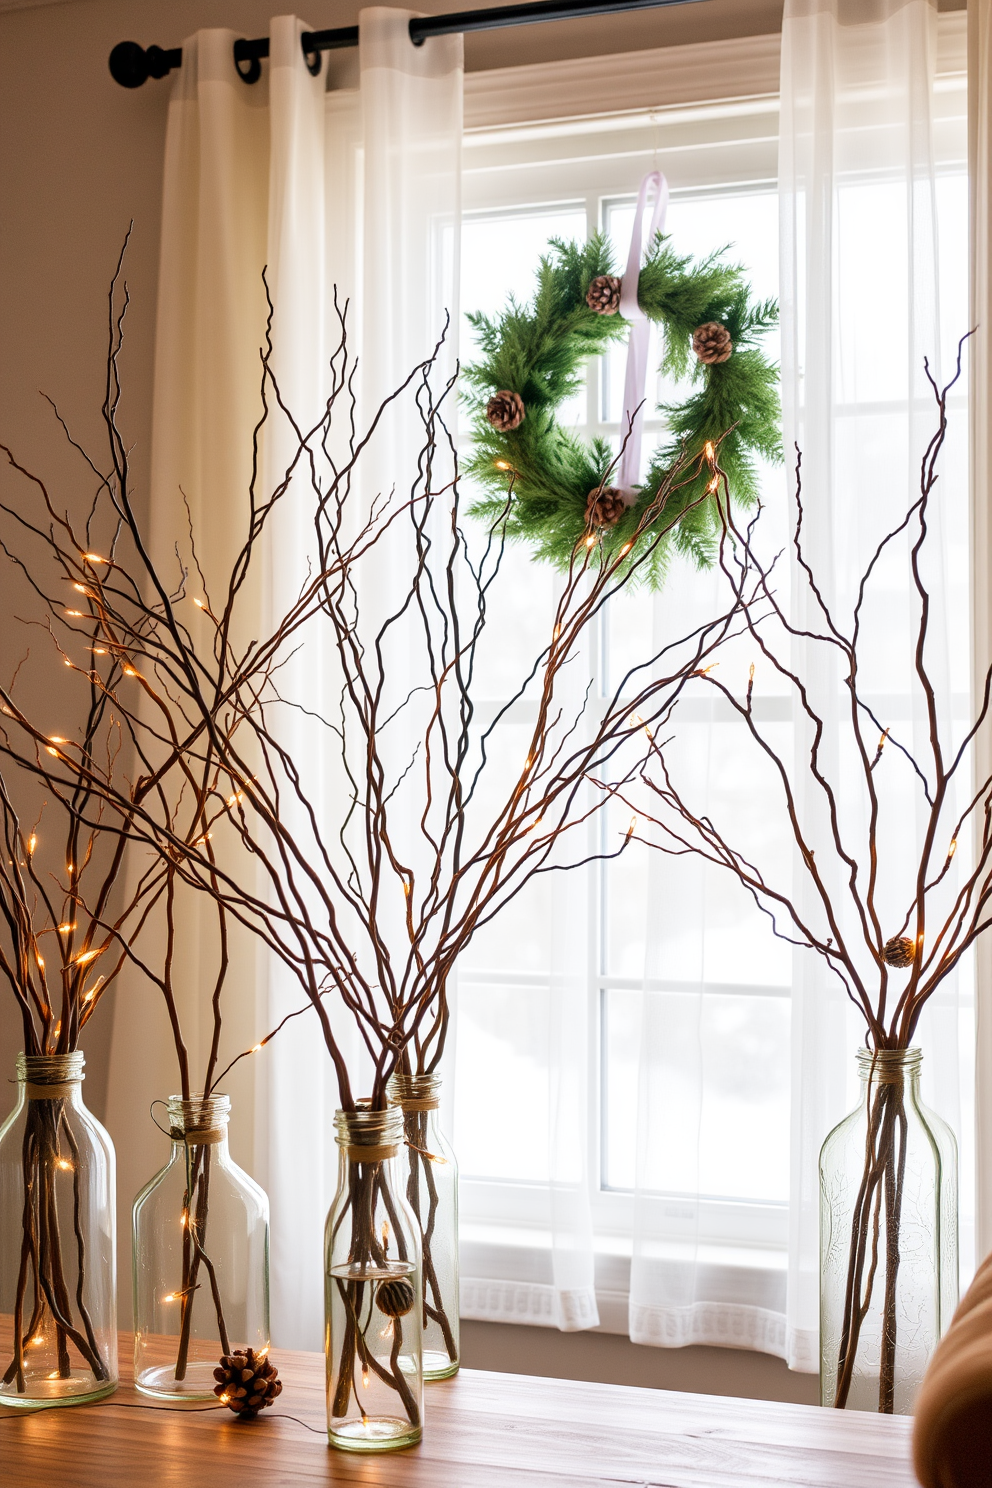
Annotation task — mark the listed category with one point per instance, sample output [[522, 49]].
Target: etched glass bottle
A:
[[58, 1241], [372, 1299], [431, 1185], [888, 1239], [201, 1258]]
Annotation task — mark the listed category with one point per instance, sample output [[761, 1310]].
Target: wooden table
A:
[[482, 1431]]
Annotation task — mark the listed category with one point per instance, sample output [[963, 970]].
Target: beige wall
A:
[[616, 1361]]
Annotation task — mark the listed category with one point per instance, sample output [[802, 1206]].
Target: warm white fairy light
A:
[[64, 1164], [85, 956], [32, 843], [89, 996]]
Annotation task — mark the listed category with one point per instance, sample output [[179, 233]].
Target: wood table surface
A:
[[481, 1431]]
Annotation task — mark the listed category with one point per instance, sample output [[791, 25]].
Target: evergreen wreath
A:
[[532, 359]]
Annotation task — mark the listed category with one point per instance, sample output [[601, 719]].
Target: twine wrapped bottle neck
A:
[[200, 1121], [51, 1076], [368, 1136], [415, 1092], [889, 1066]]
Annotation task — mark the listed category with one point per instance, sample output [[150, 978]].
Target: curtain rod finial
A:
[[131, 64]]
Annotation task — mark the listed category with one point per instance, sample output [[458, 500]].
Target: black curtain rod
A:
[[131, 64]]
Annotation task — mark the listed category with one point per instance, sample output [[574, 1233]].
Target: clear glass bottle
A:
[[888, 1239], [372, 1298], [201, 1258], [58, 1241], [432, 1193]]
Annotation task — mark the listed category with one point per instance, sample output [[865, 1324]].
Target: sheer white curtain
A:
[[864, 302], [350, 181], [869, 286], [980, 179]]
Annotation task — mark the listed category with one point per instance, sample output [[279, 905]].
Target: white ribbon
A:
[[635, 380]]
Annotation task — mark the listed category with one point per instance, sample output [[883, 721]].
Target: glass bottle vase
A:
[[372, 1298], [432, 1193], [58, 1241], [201, 1258], [888, 1239]]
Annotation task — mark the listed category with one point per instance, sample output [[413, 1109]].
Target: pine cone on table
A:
[[603, 294], [247, 1382], [711, 343], [506, 411], [899, 951], [604, 508]]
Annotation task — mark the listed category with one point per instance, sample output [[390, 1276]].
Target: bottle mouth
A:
[[415, 1092], [40, 1070], [199, 1120], [369, 1136], [885, 1066]]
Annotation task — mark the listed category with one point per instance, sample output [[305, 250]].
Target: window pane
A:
[[500, 255], [730, 1142], [501, 1081]]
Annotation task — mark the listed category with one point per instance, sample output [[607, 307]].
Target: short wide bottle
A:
[[201, 1258], [58, 1234], [372, 1294]]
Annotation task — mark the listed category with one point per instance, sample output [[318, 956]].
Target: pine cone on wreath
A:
[[899, 951], [603, 294], [711, 343], [506, 411], [247, 1382], [604, 508]]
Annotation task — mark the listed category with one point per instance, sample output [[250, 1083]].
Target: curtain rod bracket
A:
[[131, 64]]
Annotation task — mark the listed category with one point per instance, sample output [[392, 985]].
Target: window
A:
[[525, 182]]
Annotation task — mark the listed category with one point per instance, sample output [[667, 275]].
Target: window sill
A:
[[507, 1277]]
